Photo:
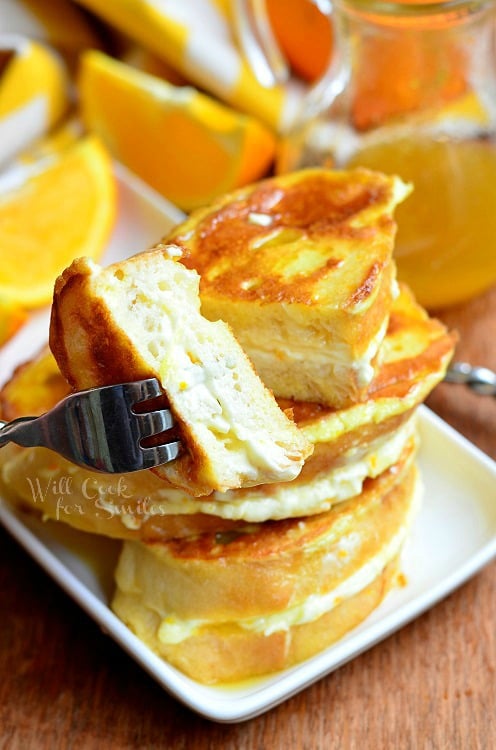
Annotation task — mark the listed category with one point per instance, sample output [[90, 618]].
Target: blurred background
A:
[[199, 98]]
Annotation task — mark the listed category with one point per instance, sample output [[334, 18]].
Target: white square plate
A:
[[453, 537]]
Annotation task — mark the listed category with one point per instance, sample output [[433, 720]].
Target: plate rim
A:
[[217, 703], [226, 705]]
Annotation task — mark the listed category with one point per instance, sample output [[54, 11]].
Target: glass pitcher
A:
[[411, 90]]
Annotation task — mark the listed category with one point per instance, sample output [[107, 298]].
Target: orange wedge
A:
[[12, 317], [304, 34], [52, 211], [34, 93], [184, 144]]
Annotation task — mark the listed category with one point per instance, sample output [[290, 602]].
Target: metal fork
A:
[[101, 428], [481, 380]]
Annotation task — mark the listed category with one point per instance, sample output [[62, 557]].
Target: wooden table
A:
[[432, 685]]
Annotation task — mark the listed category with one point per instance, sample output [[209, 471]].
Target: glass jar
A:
[[411, 90]]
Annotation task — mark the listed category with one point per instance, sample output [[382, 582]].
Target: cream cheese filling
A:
[[337, 357], [286, 500], [299, 497], [202, 393]]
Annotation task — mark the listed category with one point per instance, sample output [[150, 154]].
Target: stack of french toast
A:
[[293, 363]]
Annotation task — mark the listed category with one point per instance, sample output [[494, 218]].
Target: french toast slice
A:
[[141, 318], [225, 607], [300, 266]]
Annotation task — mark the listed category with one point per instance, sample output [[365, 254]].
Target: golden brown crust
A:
[[126, 506], [318, 204], [34, 387], [417, 349], [100, 353]]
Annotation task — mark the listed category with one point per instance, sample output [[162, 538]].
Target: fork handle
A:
[[481, 380]]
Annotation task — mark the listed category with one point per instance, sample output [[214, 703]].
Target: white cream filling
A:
[[254, 505], [362, 366], [317, 605], [294, 498], [202, 395], [337, 357], [174, 630]]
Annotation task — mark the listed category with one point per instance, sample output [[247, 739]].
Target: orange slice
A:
[[12, 317], [34, 93], [304, 34], [52, 211], [186, 145]]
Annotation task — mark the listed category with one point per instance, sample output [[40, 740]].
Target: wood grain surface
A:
[[431, 686]]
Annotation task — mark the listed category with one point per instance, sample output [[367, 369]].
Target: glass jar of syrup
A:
[[411, 90]]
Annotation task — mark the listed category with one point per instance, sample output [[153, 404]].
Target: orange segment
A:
[[28, 70], [186, 145], [304, 35], [34, 93], [51, 212], [12, 317]]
